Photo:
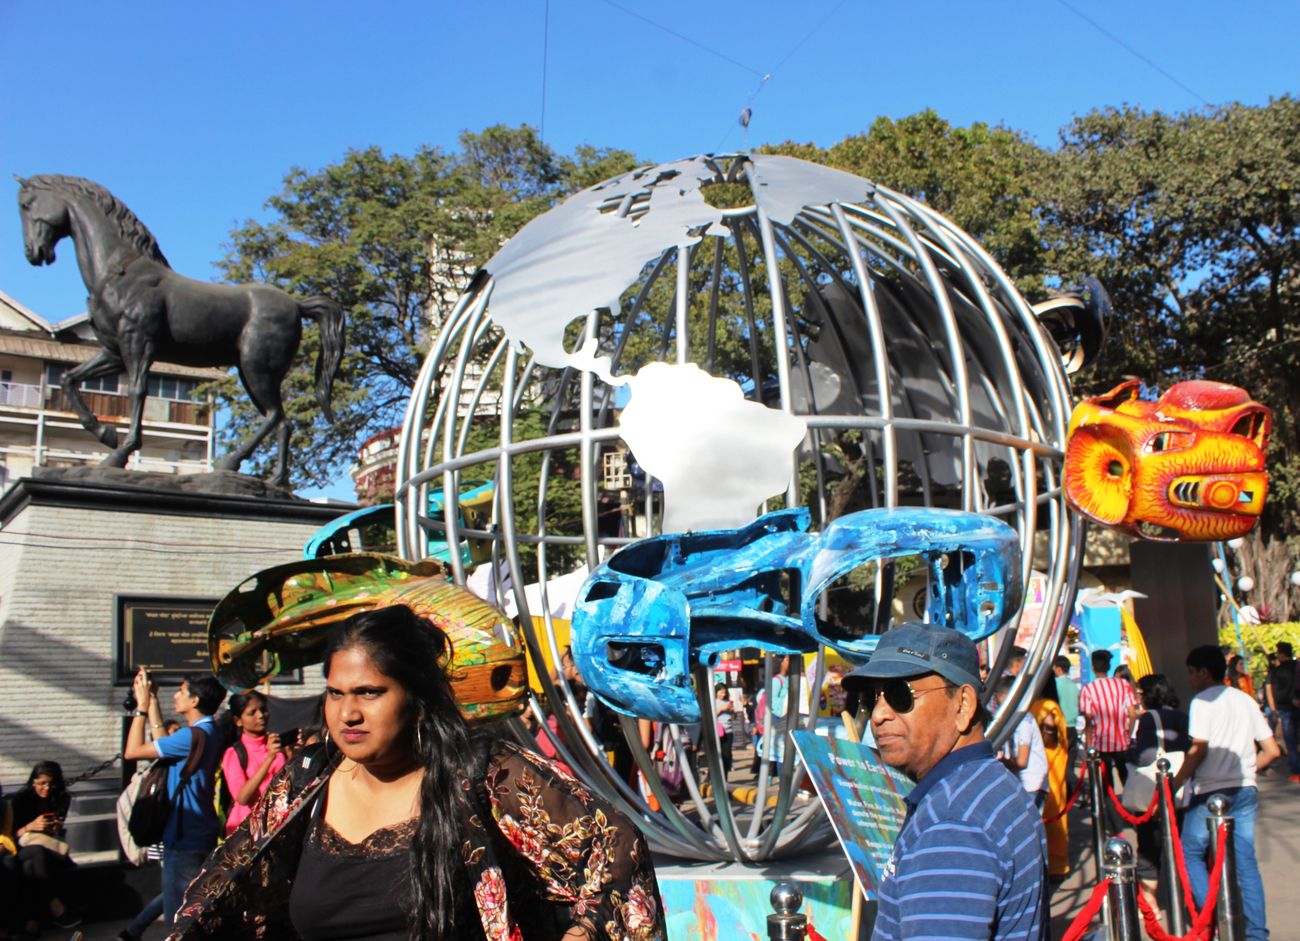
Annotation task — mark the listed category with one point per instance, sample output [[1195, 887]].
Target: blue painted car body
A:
[[659, 606], [333, 538]]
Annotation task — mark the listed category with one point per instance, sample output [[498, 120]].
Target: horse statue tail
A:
[[329, 317]]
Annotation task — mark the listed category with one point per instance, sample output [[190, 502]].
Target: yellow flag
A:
[[1140, 665]]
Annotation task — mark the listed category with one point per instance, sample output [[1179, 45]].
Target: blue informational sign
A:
[[1102, 630], [863, 798]]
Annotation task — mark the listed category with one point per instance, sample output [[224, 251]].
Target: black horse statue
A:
[[141, 310]]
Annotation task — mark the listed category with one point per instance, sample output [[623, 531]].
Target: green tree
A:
[[986, 179], [1190, 220], [394, 239]]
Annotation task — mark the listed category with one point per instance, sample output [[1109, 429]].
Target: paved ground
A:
[[1277, 845]]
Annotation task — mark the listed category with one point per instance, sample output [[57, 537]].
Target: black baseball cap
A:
[[912, 648]]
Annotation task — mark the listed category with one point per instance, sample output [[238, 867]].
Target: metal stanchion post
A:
[[1122, 894], [1230, 916], [1097, 792], [787, 924], [1168, 824]]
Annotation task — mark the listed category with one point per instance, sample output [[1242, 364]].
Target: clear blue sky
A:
[[192, 113]]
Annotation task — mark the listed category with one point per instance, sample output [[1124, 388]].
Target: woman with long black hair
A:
[[405, 823], [39, 812]]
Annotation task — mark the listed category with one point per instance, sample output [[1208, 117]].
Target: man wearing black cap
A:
[[971, 858]]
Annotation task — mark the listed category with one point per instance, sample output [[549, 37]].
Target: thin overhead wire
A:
[[809, 35], [546, 42], [687, 39], [1133, 52], [767, 76]]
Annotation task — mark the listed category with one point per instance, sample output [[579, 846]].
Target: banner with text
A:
[[862, 796]]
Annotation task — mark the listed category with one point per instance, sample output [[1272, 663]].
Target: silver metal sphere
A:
[[1117, 852], [921, 374], [786, 898]]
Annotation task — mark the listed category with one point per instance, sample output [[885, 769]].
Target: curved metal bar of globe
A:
[[405, 497], [789, 760], [683, 828], [756, 833], [713, 756], [476, 325], [762, 754]]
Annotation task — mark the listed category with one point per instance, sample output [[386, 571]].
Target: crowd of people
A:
[[993, 824], [399, 819]]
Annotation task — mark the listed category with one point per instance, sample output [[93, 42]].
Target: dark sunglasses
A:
[[899, 694]]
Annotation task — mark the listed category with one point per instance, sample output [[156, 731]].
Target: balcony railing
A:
[[20, 394], [105, 405]]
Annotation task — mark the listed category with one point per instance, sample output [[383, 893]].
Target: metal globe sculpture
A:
[[687, 345]]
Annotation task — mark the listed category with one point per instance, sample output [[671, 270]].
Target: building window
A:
[[615, 474], [175, 390], [54, 379]]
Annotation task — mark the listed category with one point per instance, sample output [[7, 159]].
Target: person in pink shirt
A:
[[250, 763]]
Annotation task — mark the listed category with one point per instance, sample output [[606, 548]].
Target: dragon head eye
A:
[[1170, 441]]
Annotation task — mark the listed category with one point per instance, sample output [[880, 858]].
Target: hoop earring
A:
[[419, 739]]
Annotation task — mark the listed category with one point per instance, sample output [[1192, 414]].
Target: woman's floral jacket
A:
[[543, 854]]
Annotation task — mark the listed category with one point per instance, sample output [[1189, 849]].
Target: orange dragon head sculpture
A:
[[1187, 467]]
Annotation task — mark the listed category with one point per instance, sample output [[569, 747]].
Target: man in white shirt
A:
[[1225, 725]]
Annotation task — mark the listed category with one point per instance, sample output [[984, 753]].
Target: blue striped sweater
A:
[[971, 859]]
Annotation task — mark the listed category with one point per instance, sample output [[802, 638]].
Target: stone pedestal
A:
[[69, 546]]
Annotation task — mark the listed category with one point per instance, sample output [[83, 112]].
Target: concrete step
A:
[[95, 858], [91, 833]]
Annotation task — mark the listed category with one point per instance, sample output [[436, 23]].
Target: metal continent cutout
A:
[[617, 228], [663, 604], [1189, 466], [718, 454]]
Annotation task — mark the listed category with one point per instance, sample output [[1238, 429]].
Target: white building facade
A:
[[39, 429]]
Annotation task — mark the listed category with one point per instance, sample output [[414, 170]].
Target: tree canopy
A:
[[394, 239], [1190, 220]]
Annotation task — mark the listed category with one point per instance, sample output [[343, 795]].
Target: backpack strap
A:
[[198, 741]]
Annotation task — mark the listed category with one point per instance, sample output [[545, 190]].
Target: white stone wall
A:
[[59, 571]]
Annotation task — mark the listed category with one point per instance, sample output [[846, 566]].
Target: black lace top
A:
[[352, 890]]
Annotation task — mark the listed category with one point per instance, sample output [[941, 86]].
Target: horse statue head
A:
[[45, 219], [46, 204]]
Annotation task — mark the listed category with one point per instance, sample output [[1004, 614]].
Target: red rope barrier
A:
[[1078, 789], [1083, 920], [1188, 899], [1135, 821], [1201, 928]]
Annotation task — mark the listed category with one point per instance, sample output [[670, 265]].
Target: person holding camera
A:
[[253, 759], [193, 827]]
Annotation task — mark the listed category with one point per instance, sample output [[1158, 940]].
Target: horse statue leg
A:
[[104, 363], [282, 455], [264, 389], [139, 353]]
